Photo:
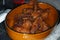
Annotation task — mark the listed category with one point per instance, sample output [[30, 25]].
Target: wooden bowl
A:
[[53, 17]]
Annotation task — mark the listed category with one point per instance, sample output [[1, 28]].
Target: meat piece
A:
[[24, 30], [28, 10], [27, 24], [34, 26], [28, 17], [16, 28], [39, 29], [40, 11], [35, 7], [18, 20], [43, 25], [44, 15], [21, 30], [35, 15]]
